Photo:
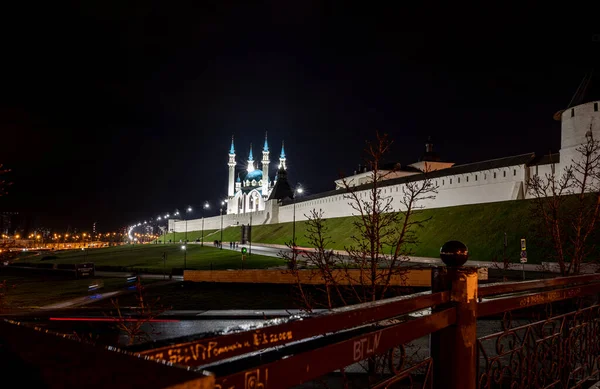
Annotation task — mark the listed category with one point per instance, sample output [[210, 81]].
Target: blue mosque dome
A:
[[254, 175]]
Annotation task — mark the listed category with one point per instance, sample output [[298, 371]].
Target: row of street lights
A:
[[185, 216], [297, 191]]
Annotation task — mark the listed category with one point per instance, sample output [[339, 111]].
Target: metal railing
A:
[[543, 333], [375, 339]]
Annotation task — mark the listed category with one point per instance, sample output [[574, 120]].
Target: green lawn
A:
[[192, 236], [481, 227], [150, 257], [36, 291]]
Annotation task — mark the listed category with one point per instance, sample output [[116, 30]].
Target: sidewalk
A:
[[544, 266]]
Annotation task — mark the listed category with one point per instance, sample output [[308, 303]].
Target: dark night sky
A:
[[114, 111]]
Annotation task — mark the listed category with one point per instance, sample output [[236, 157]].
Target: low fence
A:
[[544, 334], [412, 277], [549, 336]]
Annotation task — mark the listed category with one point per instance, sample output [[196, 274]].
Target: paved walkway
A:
[[274, 250]]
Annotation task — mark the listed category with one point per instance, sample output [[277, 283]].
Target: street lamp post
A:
[[221, 211], [184, 257], [298, 190], [164, 231], [205, 206], [188, 210]]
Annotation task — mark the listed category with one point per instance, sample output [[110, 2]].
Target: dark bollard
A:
[[454, 253], [454, 348]]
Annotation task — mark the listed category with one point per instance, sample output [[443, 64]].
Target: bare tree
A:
[[320, 263], [366, 272], [143, 313], [380, 228], [567, 206]]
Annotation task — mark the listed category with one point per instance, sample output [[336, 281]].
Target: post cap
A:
[[454, 253]]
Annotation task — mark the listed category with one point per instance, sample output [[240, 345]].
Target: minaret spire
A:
[[265, 168], [250, 160], [282, 157], [231, 164], [266, 146]]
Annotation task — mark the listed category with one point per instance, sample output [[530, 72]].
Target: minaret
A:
[[231, 164], [265, 168], [250, 161], [282, 158]]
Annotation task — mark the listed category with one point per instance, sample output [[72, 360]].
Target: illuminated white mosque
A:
[[251, 188]]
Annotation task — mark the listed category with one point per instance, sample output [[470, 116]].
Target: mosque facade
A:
[[249, 189]]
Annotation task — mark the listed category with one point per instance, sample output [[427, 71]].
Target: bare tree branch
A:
[[567, 207]]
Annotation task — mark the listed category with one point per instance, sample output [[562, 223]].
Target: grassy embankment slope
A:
[[150, 257], [481, 227]]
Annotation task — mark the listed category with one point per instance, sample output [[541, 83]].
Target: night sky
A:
[[117, 111]]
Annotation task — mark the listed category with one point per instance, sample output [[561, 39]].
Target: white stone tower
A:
[[250, 161], [265, 169], [282, 158], [577, 123], [231, 164]]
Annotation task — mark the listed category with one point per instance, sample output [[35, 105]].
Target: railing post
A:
[[454, 348]]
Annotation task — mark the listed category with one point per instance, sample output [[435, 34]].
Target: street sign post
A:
[[523, 256]]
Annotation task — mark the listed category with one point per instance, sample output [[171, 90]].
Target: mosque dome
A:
[[254, 175]]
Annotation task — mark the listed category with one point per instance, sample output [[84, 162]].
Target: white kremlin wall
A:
[[484, 189], [458, 185], [459, 189]]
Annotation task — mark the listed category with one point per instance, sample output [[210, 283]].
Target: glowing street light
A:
[[298, 191], [221, 211], [188, 210], [184, 257], [205, 206]]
